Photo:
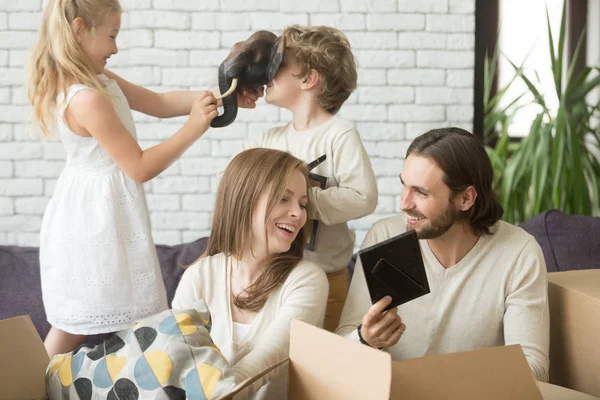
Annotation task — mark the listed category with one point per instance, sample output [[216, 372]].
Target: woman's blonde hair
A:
[[58, 57], [328, 51], [246, 178]]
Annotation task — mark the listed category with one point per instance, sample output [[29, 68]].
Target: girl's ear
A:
[[78, 28], [311, 79]]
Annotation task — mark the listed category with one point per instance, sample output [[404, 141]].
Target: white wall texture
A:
[[415, 59]]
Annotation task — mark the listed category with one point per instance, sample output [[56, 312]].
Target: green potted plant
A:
[[554, 166]]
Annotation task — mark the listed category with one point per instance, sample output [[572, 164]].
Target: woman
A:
[[252, 275]]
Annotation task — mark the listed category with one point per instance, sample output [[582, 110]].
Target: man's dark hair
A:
[[464, 161]]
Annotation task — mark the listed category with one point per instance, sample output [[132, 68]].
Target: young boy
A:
[[316, 77]]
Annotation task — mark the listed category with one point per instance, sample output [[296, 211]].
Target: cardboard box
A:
[[574, 300], [24, 360], [326, 366]]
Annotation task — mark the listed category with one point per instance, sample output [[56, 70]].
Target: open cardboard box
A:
[[326, 366], [574, 300], [23, 360]]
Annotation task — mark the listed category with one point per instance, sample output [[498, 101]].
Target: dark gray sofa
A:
[[568, 241], [20, 290]]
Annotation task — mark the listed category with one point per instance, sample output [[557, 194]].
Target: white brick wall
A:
[[415, 63]]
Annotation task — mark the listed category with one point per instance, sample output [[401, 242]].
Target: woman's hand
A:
[[382, 328]]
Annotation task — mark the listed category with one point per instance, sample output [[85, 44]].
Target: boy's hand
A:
[[248, 97], [204, 110]]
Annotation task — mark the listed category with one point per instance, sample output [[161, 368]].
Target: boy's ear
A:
[[310, 80]]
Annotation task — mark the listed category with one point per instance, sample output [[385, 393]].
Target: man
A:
[[487, 277]]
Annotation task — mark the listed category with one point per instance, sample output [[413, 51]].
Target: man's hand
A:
[[382, 328]]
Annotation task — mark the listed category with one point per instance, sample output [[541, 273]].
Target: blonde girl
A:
[[99, 268]]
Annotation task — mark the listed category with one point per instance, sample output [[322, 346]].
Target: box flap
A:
[[24, 360], [553, 392], [586, 281], [500, 373], [574, 302], [327, 366]]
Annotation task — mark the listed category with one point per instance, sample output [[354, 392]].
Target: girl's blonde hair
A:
[[246, 178], [58, 57]]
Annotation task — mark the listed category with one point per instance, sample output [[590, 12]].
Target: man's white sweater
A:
[[496, 295]]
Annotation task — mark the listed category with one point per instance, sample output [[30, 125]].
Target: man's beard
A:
[[437, 227]]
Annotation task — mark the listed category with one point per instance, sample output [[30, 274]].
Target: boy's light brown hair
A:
[[327, 50]]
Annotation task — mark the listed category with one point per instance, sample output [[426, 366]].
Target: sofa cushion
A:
[[174, 259], [20, 288], [21, 292], [169, 355], [569, 242]]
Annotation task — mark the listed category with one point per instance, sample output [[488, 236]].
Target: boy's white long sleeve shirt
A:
[[351, 190], [496, 295]]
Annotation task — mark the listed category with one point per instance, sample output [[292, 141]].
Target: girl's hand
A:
[[204, 110]]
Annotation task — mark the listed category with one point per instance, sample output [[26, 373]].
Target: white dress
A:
[[99, 267]]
